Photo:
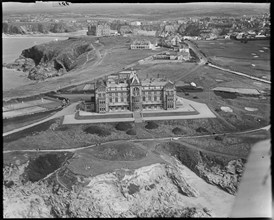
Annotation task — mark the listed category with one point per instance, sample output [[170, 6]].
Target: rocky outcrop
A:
[[224, 172], [37, 27], [157, 190], [53, 59], [227, 178]]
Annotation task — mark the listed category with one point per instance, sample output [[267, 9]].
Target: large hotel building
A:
[[125, 91]]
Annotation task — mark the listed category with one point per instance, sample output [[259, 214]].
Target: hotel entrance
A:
[[136, 100]]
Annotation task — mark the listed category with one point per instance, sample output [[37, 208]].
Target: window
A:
[[116, 99], [144, 98], [149, 98], [155, 98], [110, 99]]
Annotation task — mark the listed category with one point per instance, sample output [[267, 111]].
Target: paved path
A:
[[192, 46], [141, 140], [201, 108], [67, 110], [239, 74]]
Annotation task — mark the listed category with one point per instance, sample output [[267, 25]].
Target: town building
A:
[[126, 91], [141, 44], [102, 29]]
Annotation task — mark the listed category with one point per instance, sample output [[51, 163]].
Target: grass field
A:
[[115, 55], [172, 71], [87, 163], [238, 56]]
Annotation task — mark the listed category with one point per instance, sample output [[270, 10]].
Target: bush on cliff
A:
[[102, 132], [131, 132], [123, 126], [151, 125], [177, 131]]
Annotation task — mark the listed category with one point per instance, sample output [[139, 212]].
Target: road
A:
[[238, 73], [67, 110], [202, 58], [147, 139]]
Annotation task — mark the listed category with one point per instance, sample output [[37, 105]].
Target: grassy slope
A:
[[117, 57], [238, 56]]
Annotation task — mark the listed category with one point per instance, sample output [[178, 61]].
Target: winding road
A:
[[146, 139]]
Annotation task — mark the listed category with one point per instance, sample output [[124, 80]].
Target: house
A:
[[141, 44], [144, 33], [125, 29], [101, 29], [135, 23], [126, 91]]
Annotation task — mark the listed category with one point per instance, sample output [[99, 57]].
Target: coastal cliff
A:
[[54, 58], [14, 28], [224, 172], [157, 190]]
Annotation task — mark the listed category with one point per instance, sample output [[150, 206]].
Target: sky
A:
[[50, 6]]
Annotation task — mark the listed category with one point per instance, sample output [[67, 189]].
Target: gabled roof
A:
[[169, 84], [135, 80]]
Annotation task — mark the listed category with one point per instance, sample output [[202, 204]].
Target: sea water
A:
[[12, 48]]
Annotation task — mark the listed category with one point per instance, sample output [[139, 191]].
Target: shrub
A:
[[201, 130], [97, 130], [123, 126], [132, 188], [62, 128], [131, 132], [218, 138], [151, 125], [177, 131]]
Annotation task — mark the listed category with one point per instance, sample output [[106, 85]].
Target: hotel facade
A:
[[125, 91]]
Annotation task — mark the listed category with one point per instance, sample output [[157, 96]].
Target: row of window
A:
[[102, 102], [148, 107], [118, 89], [136, 99], [170, 105], [152, 98], [116, 108], [118, 94], [136, 93], [102, 109], [122, 99]]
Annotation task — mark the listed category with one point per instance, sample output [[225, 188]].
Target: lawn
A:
[[171, 71], [117, 57], [87, 164], [238, 56], [232, 144], [45, 136]]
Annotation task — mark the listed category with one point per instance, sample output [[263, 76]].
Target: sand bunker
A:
[[255, 56], [226, 109], [251, 109], [261, 51]]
